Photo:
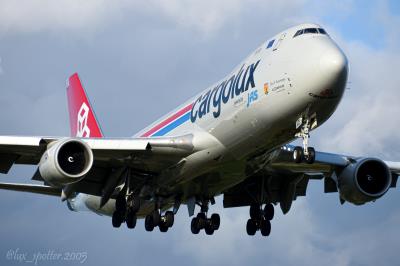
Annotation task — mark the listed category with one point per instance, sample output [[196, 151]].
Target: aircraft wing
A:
[[29, 150], [282, 180], [324, 162], [148, 156], [32, 188]]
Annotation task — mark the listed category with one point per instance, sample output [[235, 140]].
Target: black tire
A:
[[156, 217], [120, 203], [148, 223], [201, 220], [131, 220], [169, 218], [116, 219], [251, 227], [215, 221], [194, 226], [255, 212], [298, 154], [209, 229], [163, 227], [265, 227], [269, 211], [310, 159]]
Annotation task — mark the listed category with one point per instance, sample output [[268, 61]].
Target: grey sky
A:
[[140, 60]]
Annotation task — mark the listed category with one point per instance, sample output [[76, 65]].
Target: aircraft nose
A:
[[333, 64]]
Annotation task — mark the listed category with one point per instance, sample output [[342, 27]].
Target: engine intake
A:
[[364, 181], [65, 162]]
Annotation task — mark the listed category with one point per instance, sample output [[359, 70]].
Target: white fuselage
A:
[[255, 108]]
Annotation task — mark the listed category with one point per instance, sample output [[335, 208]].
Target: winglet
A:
[[83, 122]]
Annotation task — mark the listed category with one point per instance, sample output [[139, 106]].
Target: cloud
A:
[[30, 16], [209, 16], [366, 120], [297, 238], [316, 231], [389, 24], [1, 68], [205, 17]]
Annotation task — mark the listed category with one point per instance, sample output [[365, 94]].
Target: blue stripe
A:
[[173, 125]]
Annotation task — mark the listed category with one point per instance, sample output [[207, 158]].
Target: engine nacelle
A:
[[65, 162], [364, 181]]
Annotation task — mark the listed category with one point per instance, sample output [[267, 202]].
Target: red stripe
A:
[[167, 121]]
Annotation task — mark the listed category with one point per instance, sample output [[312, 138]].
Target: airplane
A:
[[232, 140]]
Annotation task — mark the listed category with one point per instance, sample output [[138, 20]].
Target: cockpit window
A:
[[310, 31], [299, 32]]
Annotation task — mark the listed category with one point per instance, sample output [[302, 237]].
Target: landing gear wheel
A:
[[310, 158], [148, 223], [131, 220], [298, 154], [251, 227], [120, 203], [194, 226], [201, 220], [255, 212], [209, 229], [117, 219], [265, 227], [269, 212], [156, 217], [169, 218], [215, 221], [163, 227]]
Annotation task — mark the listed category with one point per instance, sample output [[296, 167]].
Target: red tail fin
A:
[[82, 119]]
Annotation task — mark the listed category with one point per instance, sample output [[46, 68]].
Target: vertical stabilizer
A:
[[83, 122]]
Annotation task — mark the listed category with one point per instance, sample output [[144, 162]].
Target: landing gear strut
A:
[[305, 153], [260, 219], [127, 204], [210, 225]]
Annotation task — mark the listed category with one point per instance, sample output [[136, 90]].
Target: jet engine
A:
[[365, 180], [65, 162]]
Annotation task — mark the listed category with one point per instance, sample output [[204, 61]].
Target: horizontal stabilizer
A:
[[37, 189]]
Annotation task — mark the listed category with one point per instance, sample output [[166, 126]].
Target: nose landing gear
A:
[[304, 153]]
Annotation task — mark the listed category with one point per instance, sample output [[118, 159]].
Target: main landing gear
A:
[[260, 219], [304, 153], [126, 207], [200, 222], [154, 219]]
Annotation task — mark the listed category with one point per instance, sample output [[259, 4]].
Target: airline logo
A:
[[212, 100], [82, 120], [83, 131]]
